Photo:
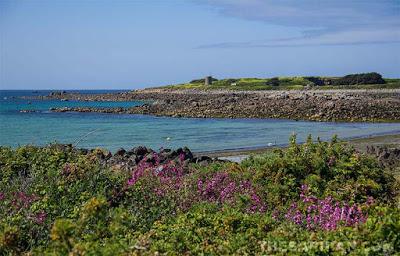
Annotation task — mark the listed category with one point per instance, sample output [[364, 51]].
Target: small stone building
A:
[[208, 80]]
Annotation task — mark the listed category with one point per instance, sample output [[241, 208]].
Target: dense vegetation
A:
[[366, 78], [371, 80], [315, 198]]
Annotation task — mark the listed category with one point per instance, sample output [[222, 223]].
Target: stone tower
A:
[[208, 80]]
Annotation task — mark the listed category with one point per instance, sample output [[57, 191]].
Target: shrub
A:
[[273, 81], [328, 168], [315, 80], [365, 78], [206, 229], [57, 200]]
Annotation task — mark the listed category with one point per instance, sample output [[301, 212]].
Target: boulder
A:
[[120, 152], [141, 150]]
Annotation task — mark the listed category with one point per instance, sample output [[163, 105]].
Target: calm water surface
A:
[[113, 131]]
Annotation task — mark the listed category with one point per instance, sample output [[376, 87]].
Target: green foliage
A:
[[328, 168], [207, 230], [273, 81], [41, 184], [57, 200], [354, 81], [365, 78]]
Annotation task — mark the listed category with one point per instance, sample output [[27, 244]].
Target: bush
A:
[[273, 81], [365, 78], [328, 168], [315, 80], [314, 198]]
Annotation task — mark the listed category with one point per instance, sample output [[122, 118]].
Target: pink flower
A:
[[325, 213], [40, 217], [182, 157], [370, 200]]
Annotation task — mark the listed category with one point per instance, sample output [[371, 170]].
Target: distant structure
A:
[[208, 80]]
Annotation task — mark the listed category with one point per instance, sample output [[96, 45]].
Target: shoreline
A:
[[344, 105], [360, 143], [339, 105]]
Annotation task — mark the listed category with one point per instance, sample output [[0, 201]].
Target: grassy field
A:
[[284, 83]]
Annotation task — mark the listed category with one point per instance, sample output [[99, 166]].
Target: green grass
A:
[[285, 83]]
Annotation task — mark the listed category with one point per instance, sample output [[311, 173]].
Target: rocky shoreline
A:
[[319, 105], [127, 159], [388, 156]]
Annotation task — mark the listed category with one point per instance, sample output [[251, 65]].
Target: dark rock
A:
[[187, 153], [387, 157], [140, 151], [150, 158], [120, 152], [108, 155], [202, 158], [83, 151]]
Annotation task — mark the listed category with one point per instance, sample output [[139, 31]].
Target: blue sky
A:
[[134, 44]]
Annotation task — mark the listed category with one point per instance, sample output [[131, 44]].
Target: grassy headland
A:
[[354, 81]]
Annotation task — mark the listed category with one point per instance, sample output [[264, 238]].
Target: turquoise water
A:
[[112, 131]]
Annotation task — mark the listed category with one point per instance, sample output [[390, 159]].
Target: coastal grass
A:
[[317, 198], [285, 83]]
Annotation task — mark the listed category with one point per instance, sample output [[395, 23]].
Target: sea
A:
[[114, 131]]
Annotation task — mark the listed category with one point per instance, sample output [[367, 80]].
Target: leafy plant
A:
[[314, 198]]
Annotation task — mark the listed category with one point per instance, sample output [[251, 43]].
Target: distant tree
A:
[[315, 80], [273, 81], [364, 78], [231, 80]]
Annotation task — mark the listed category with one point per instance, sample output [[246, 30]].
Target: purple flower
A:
[[325, 213], [221, 188], [275, 214], [40, 217], [370, 200], [181, 157]]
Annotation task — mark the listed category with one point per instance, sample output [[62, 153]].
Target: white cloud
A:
[[322, 22], [389, 35]]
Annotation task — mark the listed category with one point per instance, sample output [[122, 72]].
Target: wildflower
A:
[[275, 214], [370, 200], [331, 161], [220, 188], [40, 217], [22, 200], [324, 213], [182, 157]]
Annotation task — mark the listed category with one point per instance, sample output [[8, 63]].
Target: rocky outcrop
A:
[[387, 157], [127, 159], [318, 105]]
